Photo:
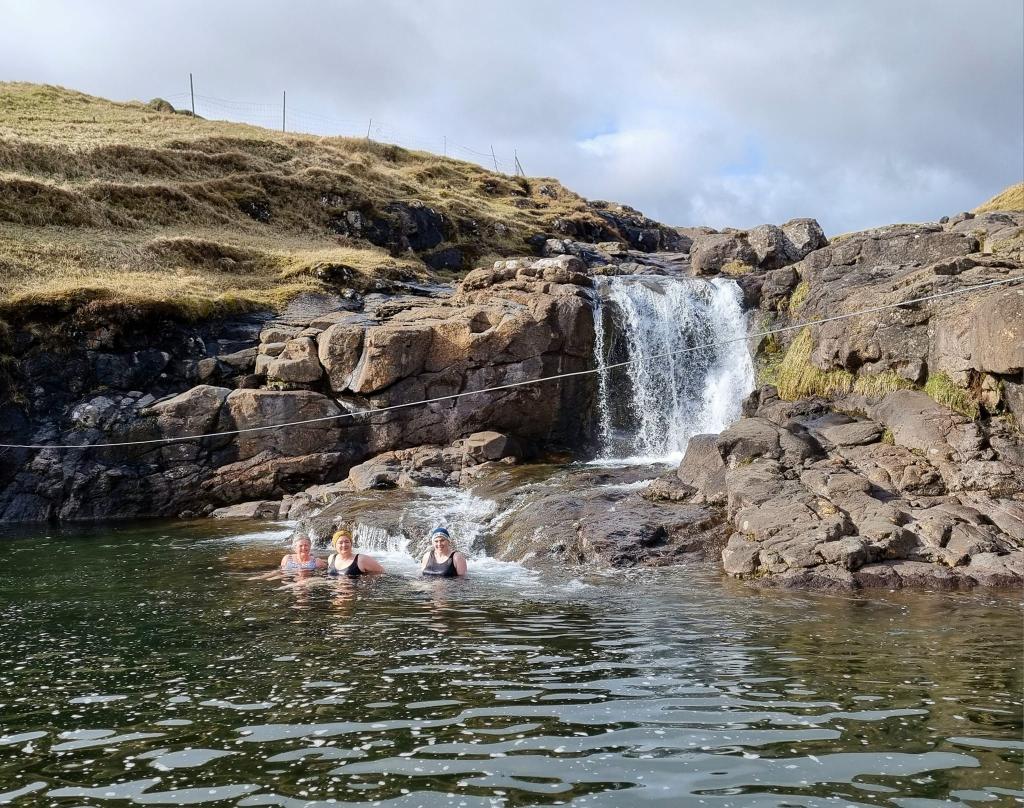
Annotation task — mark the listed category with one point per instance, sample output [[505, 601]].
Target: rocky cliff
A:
[[223, 280], [882, 450], [119, 382]]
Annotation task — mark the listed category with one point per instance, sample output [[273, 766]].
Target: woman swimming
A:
[[344, 562], [441, 560], [301, 557]]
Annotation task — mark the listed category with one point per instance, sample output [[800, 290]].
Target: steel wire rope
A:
[[452, 396]]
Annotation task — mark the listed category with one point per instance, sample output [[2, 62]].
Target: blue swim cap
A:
[[441, 530]]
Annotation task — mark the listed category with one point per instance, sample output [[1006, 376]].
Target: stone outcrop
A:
[[913, 495], [972, 341], [864, 480], [765, 247], [318, 362]]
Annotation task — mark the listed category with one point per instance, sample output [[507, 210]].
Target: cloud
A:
[[726, 114]]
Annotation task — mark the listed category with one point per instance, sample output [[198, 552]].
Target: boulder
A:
[[984, 333], [392, 351], [194, 412], [258, 509], [703, 468], [269, 475], [297, 364], [918, 422], [709, 253], [481, 446], [858, 433], [769, 245], [801, 237], [340, 348], [244, 409]]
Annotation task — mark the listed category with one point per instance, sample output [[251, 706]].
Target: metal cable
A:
[[511, 385]]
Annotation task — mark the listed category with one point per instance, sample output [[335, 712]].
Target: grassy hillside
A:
[[135, 203], [1010, 199]]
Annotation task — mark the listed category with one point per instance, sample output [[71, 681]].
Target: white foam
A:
[[649, 409]]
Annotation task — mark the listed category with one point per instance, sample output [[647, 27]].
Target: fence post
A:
[[192, 92], [519, 166], [446, 145], [284, 107], [495, 159], [368, 128]]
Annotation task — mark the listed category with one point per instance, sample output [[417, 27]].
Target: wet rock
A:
[[482, 446], [259, 509]]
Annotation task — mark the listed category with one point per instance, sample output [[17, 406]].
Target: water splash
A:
[[466, 515], [649, 410]]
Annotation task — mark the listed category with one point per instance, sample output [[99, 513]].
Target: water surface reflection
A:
[[154, 665]]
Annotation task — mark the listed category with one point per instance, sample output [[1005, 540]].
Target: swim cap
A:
[[342, 531], [442, 530]]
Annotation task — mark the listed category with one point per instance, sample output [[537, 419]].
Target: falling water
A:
[[649, 409]]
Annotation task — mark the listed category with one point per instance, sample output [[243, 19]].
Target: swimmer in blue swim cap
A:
[[441, 560]]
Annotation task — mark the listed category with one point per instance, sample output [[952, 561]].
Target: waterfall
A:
[[649, 410]]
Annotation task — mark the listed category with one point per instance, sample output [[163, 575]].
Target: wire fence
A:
[[284, 117]]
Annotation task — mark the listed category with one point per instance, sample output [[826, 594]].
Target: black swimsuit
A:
[[446, 569], [352, 570]]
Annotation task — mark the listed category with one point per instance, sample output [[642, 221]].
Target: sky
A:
[[733, 113]]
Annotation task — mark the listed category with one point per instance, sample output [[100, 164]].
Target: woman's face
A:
[[441, 543], [302, 547], [343, 544]]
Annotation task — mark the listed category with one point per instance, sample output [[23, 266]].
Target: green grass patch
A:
[[948, 393]]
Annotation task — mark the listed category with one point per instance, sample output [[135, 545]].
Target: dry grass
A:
[[796, 300], [136, 203], [1010, 199], [877, 385], [797, 377]]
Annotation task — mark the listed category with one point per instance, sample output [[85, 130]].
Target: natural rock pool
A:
[[156, 664]]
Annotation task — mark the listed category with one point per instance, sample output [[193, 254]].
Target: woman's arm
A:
[[321, 564], [284, 561], [369, 564], [423, 563], [460, 563]]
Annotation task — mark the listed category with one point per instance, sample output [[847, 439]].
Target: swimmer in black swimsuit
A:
[[344, 562], [441, 560]]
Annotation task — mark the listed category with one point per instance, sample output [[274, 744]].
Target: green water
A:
[[157, 665]]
